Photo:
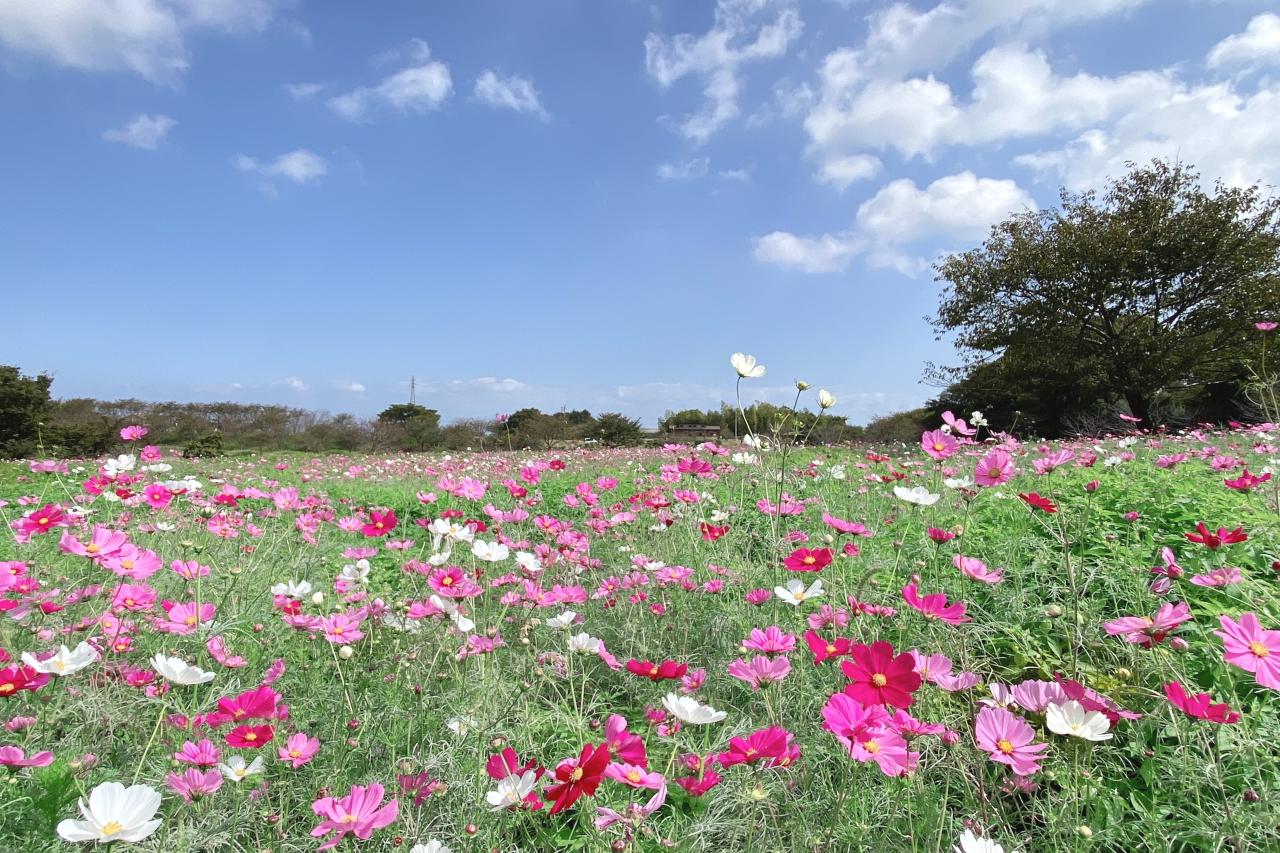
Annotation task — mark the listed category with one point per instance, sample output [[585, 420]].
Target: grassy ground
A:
[[1163, 782]]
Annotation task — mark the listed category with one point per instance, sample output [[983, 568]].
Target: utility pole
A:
[[413, 390]]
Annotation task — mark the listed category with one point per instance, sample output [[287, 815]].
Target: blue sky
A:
[[585, 203]]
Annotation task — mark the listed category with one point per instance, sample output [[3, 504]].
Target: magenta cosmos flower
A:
[[938, 444], [380, 523], [1199, 705], [878, 677], [360, 812], [1008, 738], [934, 606], [1251, 648]]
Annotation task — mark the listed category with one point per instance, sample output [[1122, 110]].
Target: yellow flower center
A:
[[634, 775], [293, 753], [831, 650], [653, 670], [810, 560], [1259, 650], [576, 775], [7, 688], [128, 564], [190, 620], [879, 680], [1004, 746], [447, 581], [92, 548], [112, 827], [349, 818], [872, 746], [250, 736], [938, 445]]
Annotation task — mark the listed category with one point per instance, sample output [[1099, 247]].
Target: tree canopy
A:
[[1136, 295]]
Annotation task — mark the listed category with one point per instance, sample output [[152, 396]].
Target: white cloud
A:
[[1015, 95], [683, 171], [736, 37], [828, 253], [145, 37], [899, 217], [742, 176], [143, 131], [840, 172], [511, 93], [1257, 45], [304, 91], [352, 387], [299, 166], [488, 383], [1221, 132], [291, 382], [419, 88]]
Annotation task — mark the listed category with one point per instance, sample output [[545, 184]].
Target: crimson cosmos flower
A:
[[1214, 541], [579, 777], [1035, 500], [879, 678], [657, 671], [808, 560]]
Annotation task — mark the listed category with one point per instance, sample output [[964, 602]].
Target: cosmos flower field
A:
[[976, 642]]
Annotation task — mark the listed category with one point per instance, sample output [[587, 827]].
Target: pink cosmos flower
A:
[[634, 776], [341, 628], [298, 749], [934, 606], [853, 528], [974, 568], [193, 783], [994, 469], [1008, 738], [1221, 576], [157, 496], [250, 737], [887, 748], [202, 754], [761, 670], [938, 444], [134, 433], [12, 756], [104, 543], [624, 745], [360, 812], [185, 618], [771, 641], [878, 677], [936, 669], [958, 425], [1148, 631], [1251, 648], [770, 743]]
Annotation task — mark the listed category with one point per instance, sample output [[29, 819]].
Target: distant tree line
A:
[[30, 419], [761, 418]]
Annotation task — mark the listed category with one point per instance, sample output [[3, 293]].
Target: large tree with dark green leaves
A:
[[1147, 289], [24, 400]]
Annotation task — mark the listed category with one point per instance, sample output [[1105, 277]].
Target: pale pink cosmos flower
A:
[[974, 568], [772, 641], [1147, 631], [1008, 739], [995, 468], [1250, 647], [760, 670], [299, 749], [360, 813]]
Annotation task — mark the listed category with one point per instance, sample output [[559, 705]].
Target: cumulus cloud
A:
[[737, 37], [143, 131], [683, 171], [489, 383], [299, 166], [898, 219], [514, 93], [352, 387], [145, 37], [1259, 44], [420, 87]]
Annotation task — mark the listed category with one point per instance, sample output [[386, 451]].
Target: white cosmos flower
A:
[[958, 483], [357, 572], [746, 366], [179, 672], [749, 440], [114, 813], [970, 843], [512, 790], [918, 495], [490, 552], [158, 468], [690, 710], [564, 620], [460, 726], [795, 593], [64, 662], [443, 528], [451, 610], [977, 420], [825, 398], [292, 589], [236, 770], [741, 458], [123, 462], [584, 642], [528, 561], [1071, 719], [432, 846]]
